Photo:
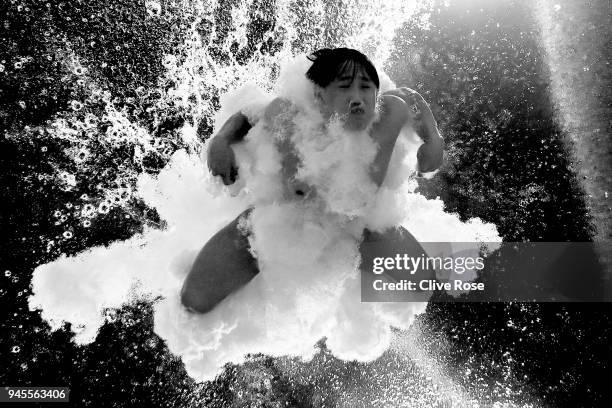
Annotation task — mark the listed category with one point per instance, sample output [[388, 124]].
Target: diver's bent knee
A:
[[194, 303]]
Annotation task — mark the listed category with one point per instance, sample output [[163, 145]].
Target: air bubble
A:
[[86, 223], [67, 234], [103, 208], [7, 274], [91, 120], [81, 155], [76, 105], [15, 349], [111, 317]]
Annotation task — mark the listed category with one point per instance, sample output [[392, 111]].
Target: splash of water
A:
[[277, 313]]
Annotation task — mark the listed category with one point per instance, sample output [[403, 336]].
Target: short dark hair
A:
[[328, 64]]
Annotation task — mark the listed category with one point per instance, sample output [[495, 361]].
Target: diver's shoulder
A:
[[277, 106]]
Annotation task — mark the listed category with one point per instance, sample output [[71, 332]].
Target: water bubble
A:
[[64, 218], [111, 316], [90, 120], [86, 223], [57, 213], [103, 208], [22, 104], [153, 8], [15, 349], [81, 155], [124, 193], [76, 105], [84, 197], [7, 273], [43, 149], [67, 234], [80, 70], [1, 68]]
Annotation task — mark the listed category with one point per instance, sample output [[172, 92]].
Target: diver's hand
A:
[[430, 153], [222, 161], [420, 116]]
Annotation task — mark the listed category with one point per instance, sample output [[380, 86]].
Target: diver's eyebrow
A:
[[350, 78]]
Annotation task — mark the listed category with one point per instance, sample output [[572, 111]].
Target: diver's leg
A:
[[222, 266]]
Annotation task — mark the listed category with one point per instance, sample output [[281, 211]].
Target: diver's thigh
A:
[[396, 238], [222, 266], [389, 244]]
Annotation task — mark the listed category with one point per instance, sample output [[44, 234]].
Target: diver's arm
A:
[[221, 158], [234, 129], [418, 114]]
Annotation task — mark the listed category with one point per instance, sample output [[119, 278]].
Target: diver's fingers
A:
[[227, 176], [233, 174], [414, 96]]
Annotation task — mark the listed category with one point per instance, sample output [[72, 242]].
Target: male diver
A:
[[347, 85]]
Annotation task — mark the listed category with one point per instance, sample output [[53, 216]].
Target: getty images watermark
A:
[[497, 271]]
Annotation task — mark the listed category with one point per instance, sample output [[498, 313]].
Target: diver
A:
[[346, 85]]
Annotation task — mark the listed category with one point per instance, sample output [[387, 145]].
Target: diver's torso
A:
[[282, 117]]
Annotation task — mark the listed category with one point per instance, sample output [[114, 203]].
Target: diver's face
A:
[[352, 96]]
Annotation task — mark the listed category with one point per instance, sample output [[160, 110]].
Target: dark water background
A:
[[481, 65]]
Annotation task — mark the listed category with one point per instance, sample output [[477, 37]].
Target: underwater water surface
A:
[[95, 97]]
